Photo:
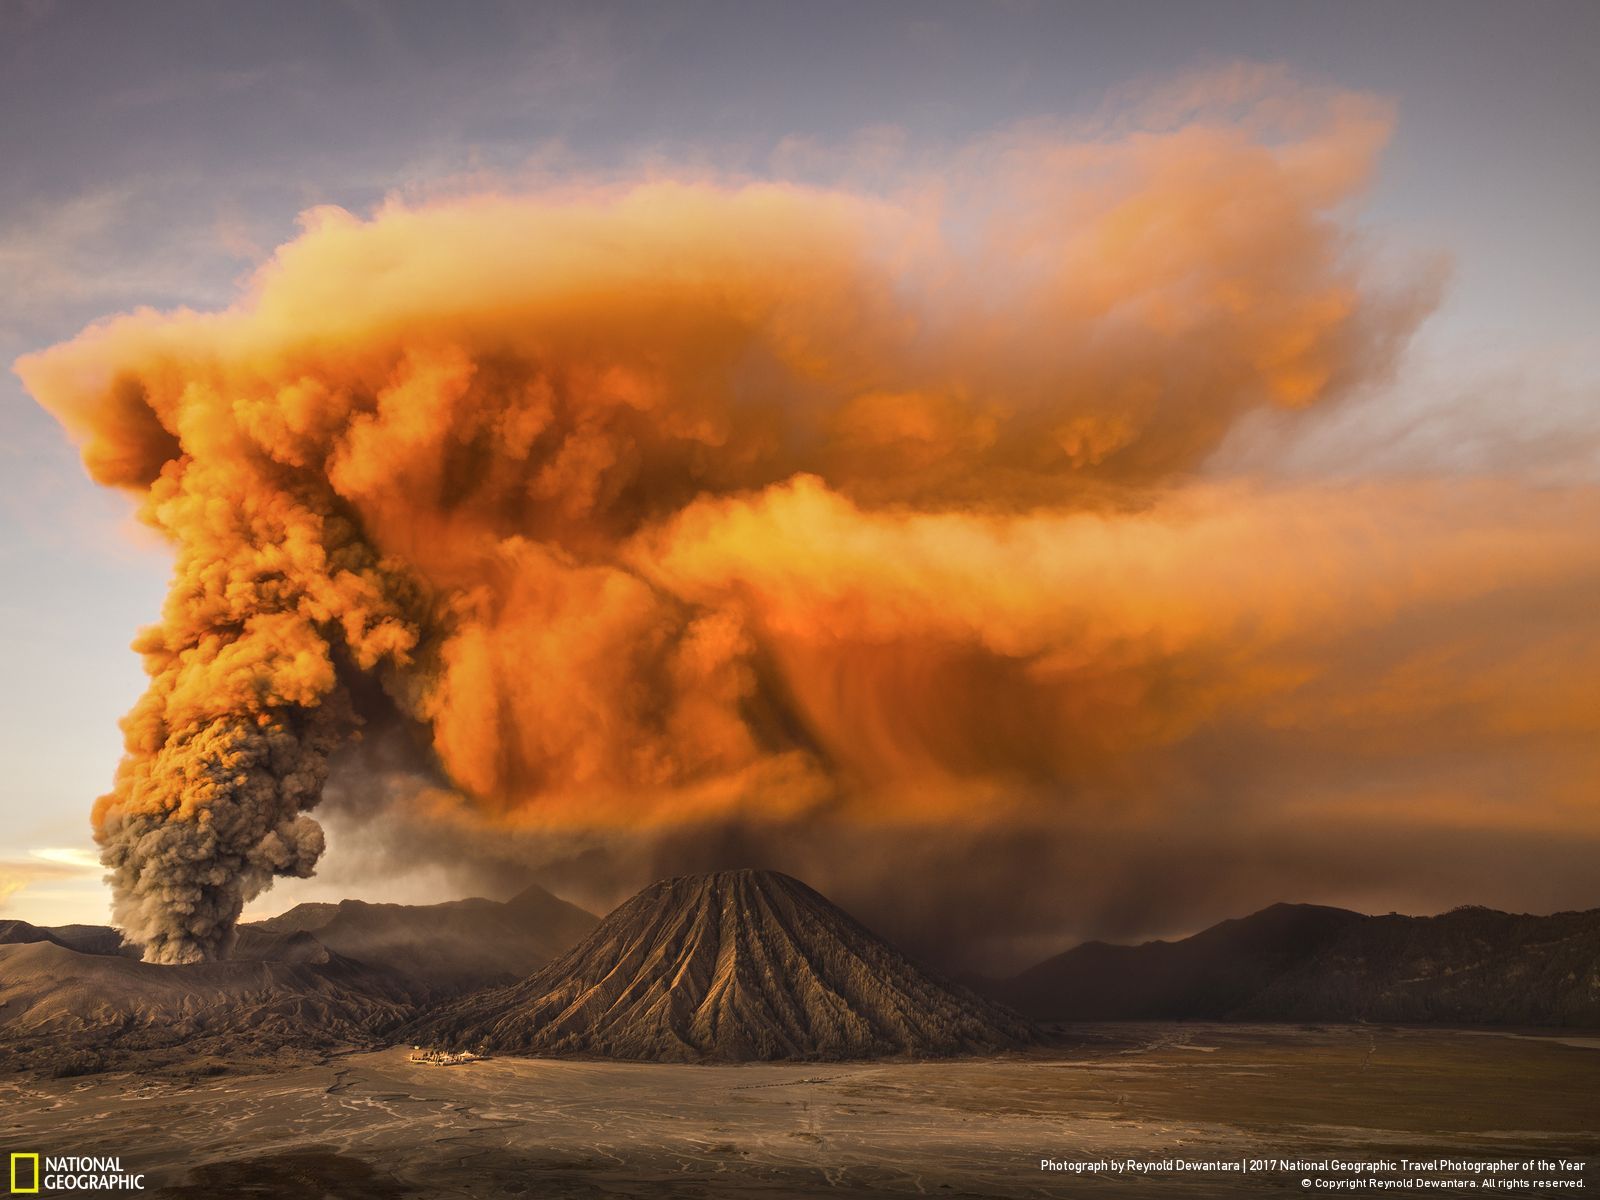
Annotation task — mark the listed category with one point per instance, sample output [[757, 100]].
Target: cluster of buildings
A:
[[442, 1058]]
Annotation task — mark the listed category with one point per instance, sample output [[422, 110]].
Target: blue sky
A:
[[154, 153]]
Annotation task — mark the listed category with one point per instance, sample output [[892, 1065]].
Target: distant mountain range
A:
[[732, 966], [459, 945], [736, 966], [1303, 962]]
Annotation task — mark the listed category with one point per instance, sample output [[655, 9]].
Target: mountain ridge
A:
[[455, 945], [1297, 962], [747, 965]]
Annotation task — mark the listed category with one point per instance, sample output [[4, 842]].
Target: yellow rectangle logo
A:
[[24, 1191]]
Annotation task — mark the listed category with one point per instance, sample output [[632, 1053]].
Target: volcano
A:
[[732, 966]]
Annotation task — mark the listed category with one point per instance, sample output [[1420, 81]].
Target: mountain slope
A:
[[1302, 962], [94, 939], [67, 1012], [1207, 975], [302, 918], [458, 945], [732, 966], [85, 939], [21, 933], [1470, 966]]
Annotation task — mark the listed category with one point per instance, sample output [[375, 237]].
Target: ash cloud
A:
[[665, 507]]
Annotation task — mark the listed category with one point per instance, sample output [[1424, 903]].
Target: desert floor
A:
[[374, 1126]]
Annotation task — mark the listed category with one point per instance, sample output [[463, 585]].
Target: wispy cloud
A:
[[46, 866], [77, 857], [43, 247]]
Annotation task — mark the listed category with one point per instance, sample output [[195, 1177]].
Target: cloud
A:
[[45, 867], [1535, 420], [71, 856]]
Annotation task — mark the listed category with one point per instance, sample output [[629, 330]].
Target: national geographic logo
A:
[[30, 1166], [32, 1174]]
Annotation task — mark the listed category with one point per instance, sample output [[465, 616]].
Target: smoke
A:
[[1048, 727], [669, 504]]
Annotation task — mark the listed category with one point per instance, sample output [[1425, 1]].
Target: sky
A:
[[157, 155]]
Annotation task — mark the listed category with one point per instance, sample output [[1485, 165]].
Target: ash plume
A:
[[670, 502]]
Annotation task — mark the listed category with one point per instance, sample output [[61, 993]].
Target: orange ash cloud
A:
[[945, 649], [667, 500]]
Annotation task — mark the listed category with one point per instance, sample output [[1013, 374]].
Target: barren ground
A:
[[372, 1126]]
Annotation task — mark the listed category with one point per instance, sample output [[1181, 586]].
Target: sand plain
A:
[[374, 1126]]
